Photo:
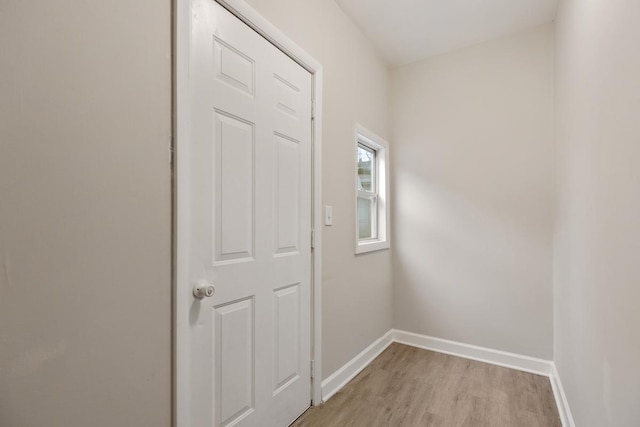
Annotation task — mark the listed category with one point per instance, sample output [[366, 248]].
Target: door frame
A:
[[181, 124]]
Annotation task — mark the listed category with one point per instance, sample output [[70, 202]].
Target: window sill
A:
[[371, 246]]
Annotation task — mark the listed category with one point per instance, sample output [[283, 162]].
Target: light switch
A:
[[328, 215]]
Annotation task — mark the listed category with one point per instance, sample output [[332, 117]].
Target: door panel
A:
[[287, 96], [287, 195], [250, 226], [234, 353], [234, 190], [287, 336], [233, 67]]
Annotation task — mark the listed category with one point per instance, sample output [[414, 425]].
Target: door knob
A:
[[202, 289]]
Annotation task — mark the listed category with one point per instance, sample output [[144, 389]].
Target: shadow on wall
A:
[[462, 264]]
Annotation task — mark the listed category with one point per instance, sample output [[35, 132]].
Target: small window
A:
[[372, 182], [367, 193]]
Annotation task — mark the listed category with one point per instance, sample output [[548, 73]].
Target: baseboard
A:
[[474, 352], [346, 373], [561, 399]]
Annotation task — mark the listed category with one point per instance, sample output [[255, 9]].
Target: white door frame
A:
[[181, 287]]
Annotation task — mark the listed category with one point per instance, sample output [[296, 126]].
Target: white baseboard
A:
[[474, 352], [561, 399], [346, 373], [533, 365]]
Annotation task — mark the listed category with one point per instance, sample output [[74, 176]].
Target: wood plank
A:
[[408, 386]]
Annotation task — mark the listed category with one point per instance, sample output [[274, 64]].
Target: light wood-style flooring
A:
[[407, 386]]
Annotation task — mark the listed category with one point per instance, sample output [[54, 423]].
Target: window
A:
[[367, 193], [372, 182]]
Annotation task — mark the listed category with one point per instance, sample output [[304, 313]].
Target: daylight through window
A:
[[367, 193], [372, 181]]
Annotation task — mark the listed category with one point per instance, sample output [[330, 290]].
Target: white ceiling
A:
[[407, 30]]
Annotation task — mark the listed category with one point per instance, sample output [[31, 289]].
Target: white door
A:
[[250, 226]]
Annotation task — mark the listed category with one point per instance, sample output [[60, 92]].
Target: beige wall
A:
[[85, 226], [473, 182], [597, 273], [356, 291]]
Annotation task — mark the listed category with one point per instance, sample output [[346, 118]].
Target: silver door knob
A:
[[203, 289]]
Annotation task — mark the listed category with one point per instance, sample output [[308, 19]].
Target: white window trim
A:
[[366, 137]]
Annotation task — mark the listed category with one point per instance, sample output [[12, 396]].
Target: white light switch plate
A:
[[328, 215]]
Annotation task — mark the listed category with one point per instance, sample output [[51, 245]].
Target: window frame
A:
[[380, 178]]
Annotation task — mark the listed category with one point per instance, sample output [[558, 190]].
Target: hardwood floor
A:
[[407, 386]]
